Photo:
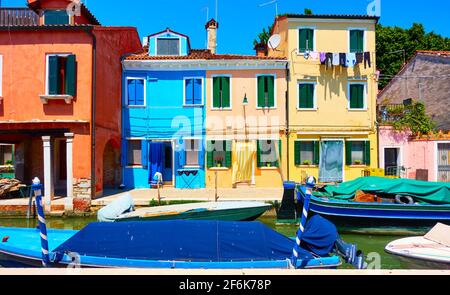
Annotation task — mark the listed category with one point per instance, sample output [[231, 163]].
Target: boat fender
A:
[[404, 200], [5, 239]]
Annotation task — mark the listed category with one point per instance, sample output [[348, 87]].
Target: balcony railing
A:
[[18, 17]]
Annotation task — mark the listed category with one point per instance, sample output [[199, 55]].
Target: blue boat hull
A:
[[23, 249], [353, 215]]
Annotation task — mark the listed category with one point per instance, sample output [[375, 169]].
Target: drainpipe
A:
[[93, 108], [287, 122]]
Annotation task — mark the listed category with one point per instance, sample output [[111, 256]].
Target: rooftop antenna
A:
[[207, 20], [217, 10], [270, 3]]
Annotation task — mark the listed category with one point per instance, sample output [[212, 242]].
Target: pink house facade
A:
[[415, 157]]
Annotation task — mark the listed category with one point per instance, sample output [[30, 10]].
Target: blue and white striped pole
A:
[[37, 189], [310, 185]]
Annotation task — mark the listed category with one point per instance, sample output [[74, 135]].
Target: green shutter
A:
[[310, 37], [348, 153], [367, 153], [356, 41], [216, 92], [54, 87], [316, 152], [258, 153], [209, 155], [71, 75], [226, 92], [261, 98], [302, 40], [271, 90], [277, 162], [297, 150], [306, 93], [228, 153], [356, 96]]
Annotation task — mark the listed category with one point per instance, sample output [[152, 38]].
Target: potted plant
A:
[[358, 162], [268, 164], [219, 161], [307, 162]]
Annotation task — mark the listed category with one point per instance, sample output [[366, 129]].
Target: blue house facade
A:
[[163, 115]]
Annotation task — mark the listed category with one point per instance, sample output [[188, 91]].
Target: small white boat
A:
[[431, 251], [122, 209]]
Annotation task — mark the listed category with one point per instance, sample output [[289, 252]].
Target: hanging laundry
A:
[[343, 59], [359, 58], [329, 60], [314, 55], [351, 60], [367, 60], [336, 59], [322, 57], [306, 55]]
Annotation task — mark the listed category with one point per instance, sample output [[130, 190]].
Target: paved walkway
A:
[[143, 197]]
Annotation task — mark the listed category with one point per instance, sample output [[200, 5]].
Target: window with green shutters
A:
[[306, 95], [56, 17], [266, 91], [356, 41], [219, 154], [307, 153], [306, 40], [357, 96], [221, 93], [62, 75], [268, 154], [357, 153]]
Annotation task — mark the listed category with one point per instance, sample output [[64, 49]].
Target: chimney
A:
[[211, 28], [261, 49]]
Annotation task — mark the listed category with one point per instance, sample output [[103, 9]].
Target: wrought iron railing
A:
[[18, 17]]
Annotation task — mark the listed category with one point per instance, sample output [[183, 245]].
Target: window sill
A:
[[358, 166], [307, 166], [221, 109], [134, 167], [219, 169], [307, 110], [266, 108], [357, 110], [193, 106], [191, 167], [136, 107], [67, 98], [268, 168]]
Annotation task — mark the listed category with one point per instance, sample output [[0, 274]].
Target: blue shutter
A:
[[139, 96], [198, 91], [144, 150], [181, 153], [131, 92], [189, 92], [201, 154]]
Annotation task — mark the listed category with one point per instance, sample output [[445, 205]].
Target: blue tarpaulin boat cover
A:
[[196, 241]]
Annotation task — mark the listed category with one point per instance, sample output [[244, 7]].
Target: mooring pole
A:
[[310, 184], [37, 189], [216, 195]]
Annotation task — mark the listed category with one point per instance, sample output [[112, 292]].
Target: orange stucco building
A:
[[61, 97]]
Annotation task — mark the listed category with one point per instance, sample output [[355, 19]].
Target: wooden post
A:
[[159, 193], [216, 193]]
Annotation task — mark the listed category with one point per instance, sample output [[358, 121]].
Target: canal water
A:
[[370, 244]]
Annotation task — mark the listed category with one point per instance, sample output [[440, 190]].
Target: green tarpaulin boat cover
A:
[[427, 192]]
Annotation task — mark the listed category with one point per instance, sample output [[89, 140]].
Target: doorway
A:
[[60, 167], [443, 163], [392, 162], [161, 160], [331, 168]]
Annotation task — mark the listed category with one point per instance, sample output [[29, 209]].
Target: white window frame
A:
[[184, 92], [141, 139], [308, 140], [315, 108], [1, 75], [126, 92], [364, 29], [47, 71], [172, 37], [383, 158], [365, 84], [200, 146], [314, 28], [212, 92], [275, 94]]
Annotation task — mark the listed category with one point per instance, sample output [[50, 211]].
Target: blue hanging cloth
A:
[[156, 159]]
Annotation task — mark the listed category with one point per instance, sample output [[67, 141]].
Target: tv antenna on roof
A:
[[269, 3]]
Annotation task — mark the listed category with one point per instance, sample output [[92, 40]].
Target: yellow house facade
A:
[[331, 115], [246, 122]]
